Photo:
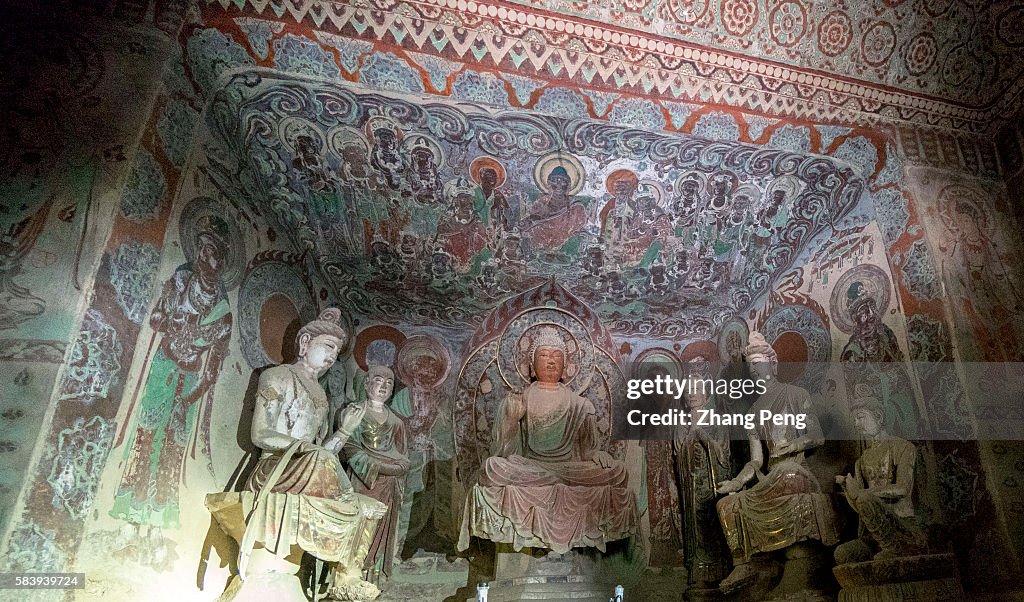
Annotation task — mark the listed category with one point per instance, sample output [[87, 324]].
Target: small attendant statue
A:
[[880, 491], [702, 461], [377, 457]]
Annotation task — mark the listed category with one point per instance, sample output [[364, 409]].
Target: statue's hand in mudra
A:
[[603, 459], [730, 486]]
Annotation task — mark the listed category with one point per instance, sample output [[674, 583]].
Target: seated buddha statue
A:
[[547, 483], [786, 506]]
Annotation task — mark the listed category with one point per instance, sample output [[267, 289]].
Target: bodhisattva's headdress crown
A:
[[865, 399], [758, 345], [328, 323], [547, 337]]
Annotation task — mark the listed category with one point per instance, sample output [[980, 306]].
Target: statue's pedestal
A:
[[533, 574], [925, 577]]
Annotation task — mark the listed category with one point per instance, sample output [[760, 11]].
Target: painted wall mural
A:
[[430, 213], [380, 175]]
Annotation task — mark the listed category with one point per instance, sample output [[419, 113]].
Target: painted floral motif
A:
[[297, 54], [259, 32], [349, 50], [834, 33], [891, 210], [562, 102], [437, 68], [929, 340], [878, 42], [212, 52], [791, 138], [144, 192], [919, 272], [958, 486], [637, 112], [921, 53], [81, 452], [739, 16], [678, 112], [33, 548], [132, 273], [601, 100], [860, 153], [94, 366], [961, 68], [892, 173], [717, 126], [479, 87], [829, 133], [788, 23], [175, 130], [385, 71], [758, 124]]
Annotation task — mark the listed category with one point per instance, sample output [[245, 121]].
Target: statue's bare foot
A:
[[742, 576], [353, 589]]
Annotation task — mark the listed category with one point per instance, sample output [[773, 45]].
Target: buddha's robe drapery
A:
[[702, 461], [312, 505], [786, 506], [376, 454], [542, 487]]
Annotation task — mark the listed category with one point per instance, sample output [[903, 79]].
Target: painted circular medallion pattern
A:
[[734, 336], [1008, 27], [377, 345], [788, 23], [739, 16], [834, 33], [878, 42], [273, 303], [514, 347], [205, 215], [784, 327], [657, 360], [423, 362], [921, 53]]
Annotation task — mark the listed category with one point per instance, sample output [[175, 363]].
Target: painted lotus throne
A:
[[532, 420]]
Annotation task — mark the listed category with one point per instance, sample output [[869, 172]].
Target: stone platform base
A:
[[925, 577], [541, 575]]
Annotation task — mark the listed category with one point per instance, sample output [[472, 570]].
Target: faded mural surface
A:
[[436, 185]]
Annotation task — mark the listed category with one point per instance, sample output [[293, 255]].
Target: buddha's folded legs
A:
[[519, 471]]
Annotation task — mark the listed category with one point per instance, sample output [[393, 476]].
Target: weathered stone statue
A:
[[786, 506], [378, 461], [880, 491], [298, 497], [702, 461], [891, 559], [546, 484]]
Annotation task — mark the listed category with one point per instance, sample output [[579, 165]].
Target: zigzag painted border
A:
[[511, 39]]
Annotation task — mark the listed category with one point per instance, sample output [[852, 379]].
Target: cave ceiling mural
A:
[[950, 64], [961, 51], [428, 211]]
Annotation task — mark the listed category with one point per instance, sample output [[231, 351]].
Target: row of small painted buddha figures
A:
[[546, 448]]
